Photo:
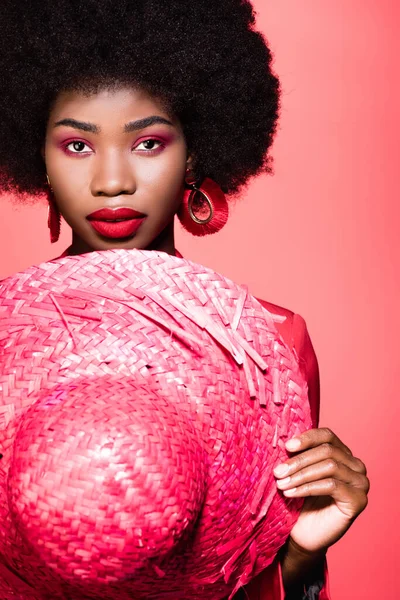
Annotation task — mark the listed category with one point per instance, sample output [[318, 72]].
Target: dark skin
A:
[[335, 486], [116, 148], [122, 148]]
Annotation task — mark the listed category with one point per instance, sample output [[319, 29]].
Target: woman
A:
[[115, 109]]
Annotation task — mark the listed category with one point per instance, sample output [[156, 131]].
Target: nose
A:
[[113, 175]]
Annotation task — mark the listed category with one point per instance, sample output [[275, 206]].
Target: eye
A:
[[77, 147], [149, 145]]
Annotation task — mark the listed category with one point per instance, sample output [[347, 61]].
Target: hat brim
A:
[[210, 354]]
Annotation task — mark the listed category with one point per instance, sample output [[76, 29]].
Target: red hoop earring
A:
[[204, 210], [53, 215]]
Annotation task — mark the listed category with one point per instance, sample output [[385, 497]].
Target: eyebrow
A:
[[142, 123], [129, 127], [78, 125]]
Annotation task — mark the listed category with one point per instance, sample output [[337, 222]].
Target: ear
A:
[[190, 161]]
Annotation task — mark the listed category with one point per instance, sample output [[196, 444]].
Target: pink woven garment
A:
[[144, 402]]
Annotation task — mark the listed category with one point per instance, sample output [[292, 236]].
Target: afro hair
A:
[[204, 59]]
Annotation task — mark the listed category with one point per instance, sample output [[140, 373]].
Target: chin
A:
[[128, 243]]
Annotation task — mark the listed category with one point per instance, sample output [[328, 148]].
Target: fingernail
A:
[[284, 481], [293, 444], [281, 470]]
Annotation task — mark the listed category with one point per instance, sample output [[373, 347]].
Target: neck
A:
[[165, 242]]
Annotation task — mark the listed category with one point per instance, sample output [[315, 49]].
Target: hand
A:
[[335, 486]]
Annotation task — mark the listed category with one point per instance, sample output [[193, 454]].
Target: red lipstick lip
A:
[[115, 214], [122, 229]]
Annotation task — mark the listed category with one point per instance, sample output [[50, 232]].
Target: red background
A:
[[320, 238]]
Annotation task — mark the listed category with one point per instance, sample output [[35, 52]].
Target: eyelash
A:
[[152, 151]]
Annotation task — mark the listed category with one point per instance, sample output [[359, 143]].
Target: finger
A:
[[325, 470], [315, 455], [355, 500], [359, 466], [315, 437]]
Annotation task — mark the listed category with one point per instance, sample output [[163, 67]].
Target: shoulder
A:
[[291, 326], [293, 329], [284, 325]]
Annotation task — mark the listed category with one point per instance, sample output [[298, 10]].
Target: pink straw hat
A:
[[144, 402]]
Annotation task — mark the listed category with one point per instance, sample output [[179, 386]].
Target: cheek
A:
[[66, 181], [68, 194], [164, 177]]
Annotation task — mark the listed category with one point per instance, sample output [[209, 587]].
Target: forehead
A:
[[108, 106]]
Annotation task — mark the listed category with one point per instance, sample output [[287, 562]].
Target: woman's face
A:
[[116, 149]]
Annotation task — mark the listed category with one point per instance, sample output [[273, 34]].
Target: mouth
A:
[[118, 223]]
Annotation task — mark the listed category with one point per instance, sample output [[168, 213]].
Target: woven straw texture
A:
[[144, 402]]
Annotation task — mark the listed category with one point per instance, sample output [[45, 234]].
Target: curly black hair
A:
[[204, 59]]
